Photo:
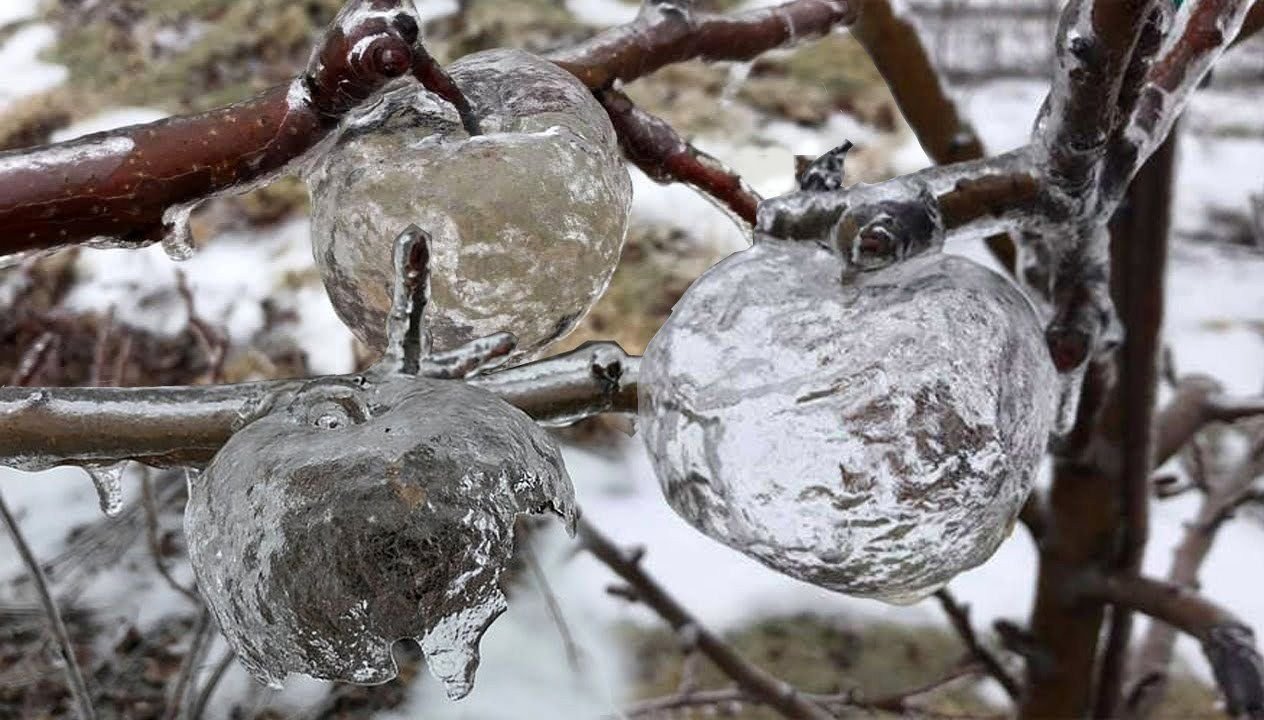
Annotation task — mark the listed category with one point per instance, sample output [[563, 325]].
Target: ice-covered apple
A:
[[875, 433], [361, 510], [528, 218]]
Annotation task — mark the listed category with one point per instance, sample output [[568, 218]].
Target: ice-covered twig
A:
[[434, 78], [959, 615], [1220, 496], [74, 674], [662, 36], [659, 151], [752, 680], [1227, 642], [208, 690], [155, 544], [182, 692], [135, 185], [168, 426]]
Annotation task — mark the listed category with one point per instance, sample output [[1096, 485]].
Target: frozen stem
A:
[[408, 341]]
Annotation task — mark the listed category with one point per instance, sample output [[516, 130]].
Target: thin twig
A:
[[155, 546], [33, 359], [573, 655], [754, 681], [182, 693], [959, 615], [74, 674], [208, 690]]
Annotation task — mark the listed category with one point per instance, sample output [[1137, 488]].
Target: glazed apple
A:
[[875, 433], [528, 218], [356, 511]]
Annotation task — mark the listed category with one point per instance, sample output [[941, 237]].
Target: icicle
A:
[[108, 480], [177, 239]]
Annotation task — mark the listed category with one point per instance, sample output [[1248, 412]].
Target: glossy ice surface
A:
[[873, 433], [527, 220]]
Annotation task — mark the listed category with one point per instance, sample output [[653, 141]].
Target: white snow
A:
[[25, 73]]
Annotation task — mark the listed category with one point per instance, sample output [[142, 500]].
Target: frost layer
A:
[[875, 435], [361, 514], [527, 221]]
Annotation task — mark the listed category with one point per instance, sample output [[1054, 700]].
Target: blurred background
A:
[[250, 305]]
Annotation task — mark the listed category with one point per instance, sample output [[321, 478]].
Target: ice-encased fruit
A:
[[872, 433], [527, 220], [364, 513]]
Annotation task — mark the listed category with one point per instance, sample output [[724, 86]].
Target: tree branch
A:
[[1198, 402], [655, 147], [668, 32], [1228, 643], [753, 681], [1154, 657], [74, 674], [959, 615], [45, 427], [135, 185]]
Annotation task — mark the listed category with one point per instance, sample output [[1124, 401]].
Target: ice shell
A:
[[317, 545], [527, 221], [874, 434]]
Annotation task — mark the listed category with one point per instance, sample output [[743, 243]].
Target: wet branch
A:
[[658, 150], [166, 426], [668, 32], [133, 186]]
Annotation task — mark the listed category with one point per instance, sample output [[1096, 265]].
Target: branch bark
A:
[[668, 32], [45, 427], [655, 147], [959, 615], [1198, 402], [1228, 643], [1154, 657], [134, 186], [752, 680]]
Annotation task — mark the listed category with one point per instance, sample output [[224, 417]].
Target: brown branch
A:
[[130, 186], [434, 78], [1099, 497], [959, 615], [1227, 642], [667, 33], [752, 680], [182, 692], [1198, 402], [1221, 496], [208, 690], [897, 51], [161, 427], [655, 147], [896, 48], [74, 674]]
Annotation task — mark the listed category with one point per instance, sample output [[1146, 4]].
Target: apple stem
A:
[[434, 78]]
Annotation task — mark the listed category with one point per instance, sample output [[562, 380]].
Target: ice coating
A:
[[527, 220], [108, 481], [366, 511], [873, 433]]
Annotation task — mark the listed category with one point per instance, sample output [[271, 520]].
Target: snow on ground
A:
[[1214, 294]]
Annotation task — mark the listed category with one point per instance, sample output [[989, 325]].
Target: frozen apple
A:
[[528, 218], [875, 433]]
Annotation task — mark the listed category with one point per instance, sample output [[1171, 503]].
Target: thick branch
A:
[[1228, 643], [45, 427], [133, 186], [655, 147], [668, 32], [752, 680]]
